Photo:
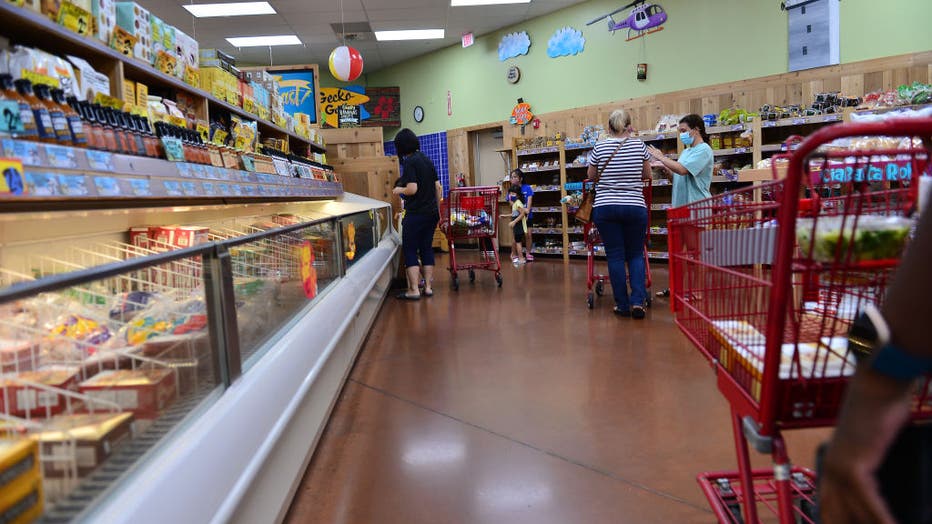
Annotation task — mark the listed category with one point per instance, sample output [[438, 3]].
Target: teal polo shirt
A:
[[698, 161]]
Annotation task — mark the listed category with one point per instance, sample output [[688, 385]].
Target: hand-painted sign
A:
[[296, 89], [331, 98], [378, 106]]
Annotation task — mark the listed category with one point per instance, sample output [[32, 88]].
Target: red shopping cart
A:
[[767, 289], [472, 213], [595, 282]]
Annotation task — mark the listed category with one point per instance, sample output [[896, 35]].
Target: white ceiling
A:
[[311, 19]]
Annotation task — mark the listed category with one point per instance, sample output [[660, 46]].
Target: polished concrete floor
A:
[[519, 405]]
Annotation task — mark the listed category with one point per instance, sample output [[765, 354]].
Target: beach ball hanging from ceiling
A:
[[345, 63]]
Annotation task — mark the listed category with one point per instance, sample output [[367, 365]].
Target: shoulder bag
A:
[[584, 213]]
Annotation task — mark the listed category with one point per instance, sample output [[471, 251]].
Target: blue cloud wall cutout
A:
[[513, 44], [565, 42]]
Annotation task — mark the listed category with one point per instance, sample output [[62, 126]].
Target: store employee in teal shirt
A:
[[695, 163], [693, 171]]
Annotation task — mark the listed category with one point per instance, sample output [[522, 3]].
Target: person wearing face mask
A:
[[692, 172]]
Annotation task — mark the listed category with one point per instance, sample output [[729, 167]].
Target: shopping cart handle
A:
[[761, 443]]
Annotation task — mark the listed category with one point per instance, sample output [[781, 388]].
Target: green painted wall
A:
[[703, 42]]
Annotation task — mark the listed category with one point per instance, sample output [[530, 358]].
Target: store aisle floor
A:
[[519, 405]]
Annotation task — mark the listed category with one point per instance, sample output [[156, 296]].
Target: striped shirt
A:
[[621, 181]]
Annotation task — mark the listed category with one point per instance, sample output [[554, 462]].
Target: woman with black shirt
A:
[[421, 191]]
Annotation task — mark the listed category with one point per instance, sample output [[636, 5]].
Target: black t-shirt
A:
[[417, 168]]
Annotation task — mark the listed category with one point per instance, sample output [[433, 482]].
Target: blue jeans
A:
[[624, 230]]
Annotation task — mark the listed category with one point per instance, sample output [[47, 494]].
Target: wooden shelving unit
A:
[[27, 27]]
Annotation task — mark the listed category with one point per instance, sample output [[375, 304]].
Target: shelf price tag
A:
[[26, 152], [224, 189], [61, 157], [209, 188], [189, 188], [173, 188], [738, 127], [42, 184], [107, 186], [184, 169], [140, 187], [99, 160], [73, 185], [799, 121]]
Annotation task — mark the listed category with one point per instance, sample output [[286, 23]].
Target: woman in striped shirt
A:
[[619, 166]]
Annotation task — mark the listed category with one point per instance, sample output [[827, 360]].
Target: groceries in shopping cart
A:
[[858, 239], [470, 213], [470, 220]]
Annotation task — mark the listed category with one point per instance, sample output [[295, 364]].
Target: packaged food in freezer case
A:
[[18, 355], [858, 239], [25, 399], [96, 436], [145, 392]]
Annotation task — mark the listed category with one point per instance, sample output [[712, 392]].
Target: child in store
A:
[[518, 224], [519, 179]]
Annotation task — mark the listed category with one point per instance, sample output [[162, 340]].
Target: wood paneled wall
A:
[[853, 79]]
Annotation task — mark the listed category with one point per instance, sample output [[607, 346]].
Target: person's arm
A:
[[439, 189], [876, 405], [409, 189], [592, 172], [646, 175], [668, 162]]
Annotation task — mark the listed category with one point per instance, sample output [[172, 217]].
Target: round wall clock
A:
[[418, 114], [513, 75]]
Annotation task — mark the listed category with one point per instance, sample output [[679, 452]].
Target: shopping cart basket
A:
[[472, 213], [595, 282], [767, 289]]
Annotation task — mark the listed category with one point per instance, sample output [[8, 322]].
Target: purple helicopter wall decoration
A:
[[643, 20]]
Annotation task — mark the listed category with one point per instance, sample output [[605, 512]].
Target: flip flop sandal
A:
[[405, 296]]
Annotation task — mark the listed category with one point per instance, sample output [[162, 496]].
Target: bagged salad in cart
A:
[[875, 237]]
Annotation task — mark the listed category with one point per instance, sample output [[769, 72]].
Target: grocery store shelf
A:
[[657, 136], [545, 231], [660, 207], [547, 251], [539, 151], [732, 151], [576, 166], [658, 255], [772, 148], [547, 189], [27, 27], [803, 120], [541, 170], [552, 209], [727, 129], [882, 110], [578, 147], [659, 233]]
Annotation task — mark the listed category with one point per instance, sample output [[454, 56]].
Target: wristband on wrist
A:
[[890, 360]]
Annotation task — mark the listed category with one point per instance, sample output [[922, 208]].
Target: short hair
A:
[[619, 120], [406, 142], [517, 191]]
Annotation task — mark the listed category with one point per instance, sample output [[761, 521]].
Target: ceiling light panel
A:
[[409, 34], [467, 3], [263, 41], [230, 9]]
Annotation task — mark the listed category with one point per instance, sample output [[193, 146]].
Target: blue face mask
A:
[[687, 139]]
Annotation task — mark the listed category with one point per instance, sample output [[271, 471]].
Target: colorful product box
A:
[[137, 21], [22, 503], [145, 392], [19, 462], [18, 355], [104, 13], [26, 400], [163, 37], [187, 50], [95, 435]]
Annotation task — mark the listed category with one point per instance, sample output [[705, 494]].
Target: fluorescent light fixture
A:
[[230, 9], [409, 34], [263, 41], [466, 3]]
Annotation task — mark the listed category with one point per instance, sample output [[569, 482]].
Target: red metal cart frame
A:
[[759, 294], [472, 213], [595, 282]]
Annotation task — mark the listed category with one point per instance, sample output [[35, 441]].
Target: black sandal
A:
[[405, 296], [638, 312], [664, 294], [621, 312]]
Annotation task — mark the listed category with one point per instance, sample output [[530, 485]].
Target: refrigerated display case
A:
[[178, 363]]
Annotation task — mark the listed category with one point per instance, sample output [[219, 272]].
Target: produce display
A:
[[839, 238]]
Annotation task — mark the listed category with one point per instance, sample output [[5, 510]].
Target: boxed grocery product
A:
[[186, 48], [75, 16], [215, 81], [40, 67], [137, 21], [22, 502], [139, 236], [19, 462], [216, 56], [129, 91], [89, 83], [142, 94], [178, 236], [163, 37], [95, 435], [24, 399], [17, 355], [145, 392], [104, 13]]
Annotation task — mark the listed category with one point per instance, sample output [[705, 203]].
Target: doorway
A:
[[489, 165]]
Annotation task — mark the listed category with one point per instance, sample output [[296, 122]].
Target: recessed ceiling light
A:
[[262, 41], [230, 9], [465, 3], [409, 34]]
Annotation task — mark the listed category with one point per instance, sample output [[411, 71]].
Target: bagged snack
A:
[[876, 237]]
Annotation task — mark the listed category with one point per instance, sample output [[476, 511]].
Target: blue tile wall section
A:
[[435, 147]]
